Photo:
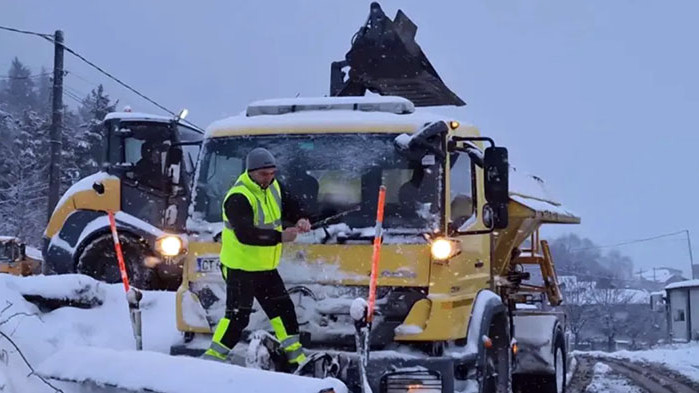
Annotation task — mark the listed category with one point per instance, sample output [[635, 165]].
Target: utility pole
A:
[[691, 258], [56, 123]]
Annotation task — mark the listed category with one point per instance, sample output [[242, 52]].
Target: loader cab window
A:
[[6, 252], [147, 150], [461, 191]]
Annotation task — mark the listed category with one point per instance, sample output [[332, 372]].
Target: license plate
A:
[[208, 265]]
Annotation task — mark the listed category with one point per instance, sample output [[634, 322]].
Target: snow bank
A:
[[75, 288], [682, 358], [157, 372], [68, 341]]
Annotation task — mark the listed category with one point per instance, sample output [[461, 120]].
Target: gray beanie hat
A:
[[259, 158]]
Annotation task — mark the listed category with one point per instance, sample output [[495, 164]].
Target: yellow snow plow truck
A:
[[460, 231], [450, 274]]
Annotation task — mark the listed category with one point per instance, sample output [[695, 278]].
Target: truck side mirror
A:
[[22, 250], [497, 192]]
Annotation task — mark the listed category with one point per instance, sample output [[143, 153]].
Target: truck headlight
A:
[[169, 245], [443, 248]]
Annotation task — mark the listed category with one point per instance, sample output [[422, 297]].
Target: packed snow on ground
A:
[[98, 343], [604, 380], [683, 358]]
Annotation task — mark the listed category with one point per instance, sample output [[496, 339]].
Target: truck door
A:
[[181, 163], [140, 163]]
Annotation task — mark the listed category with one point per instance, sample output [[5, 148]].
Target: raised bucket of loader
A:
[[386, 60]]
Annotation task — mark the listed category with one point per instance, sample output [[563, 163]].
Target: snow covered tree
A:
[[23, 187], [18, 92], [90, 143]]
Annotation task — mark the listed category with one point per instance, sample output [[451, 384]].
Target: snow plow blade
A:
[[386, 60], [100, 370]]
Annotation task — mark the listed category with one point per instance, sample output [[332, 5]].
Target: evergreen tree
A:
[[19, 91], [90, 140]]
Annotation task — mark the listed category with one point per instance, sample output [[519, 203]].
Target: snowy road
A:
[[607, 374]]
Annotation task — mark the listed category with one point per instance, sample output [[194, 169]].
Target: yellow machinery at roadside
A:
[[14, 259]]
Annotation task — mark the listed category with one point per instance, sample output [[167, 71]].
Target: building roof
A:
[[683, 284], [661, 275]]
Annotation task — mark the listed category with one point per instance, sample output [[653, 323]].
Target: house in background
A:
[[658, 278], [683, 310]]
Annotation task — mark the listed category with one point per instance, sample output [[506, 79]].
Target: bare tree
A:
[[610, 308], [574, 302]]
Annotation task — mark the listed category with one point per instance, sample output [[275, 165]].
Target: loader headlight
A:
[[169, 245], [443, 249]]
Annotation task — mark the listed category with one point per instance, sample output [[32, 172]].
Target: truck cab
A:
[[148, 166]]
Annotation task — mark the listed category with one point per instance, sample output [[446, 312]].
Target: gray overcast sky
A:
[[600, 98]]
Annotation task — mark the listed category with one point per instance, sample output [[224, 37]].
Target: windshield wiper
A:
[[323, 223]]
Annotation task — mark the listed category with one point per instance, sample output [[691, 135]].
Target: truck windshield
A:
[[328, 174]]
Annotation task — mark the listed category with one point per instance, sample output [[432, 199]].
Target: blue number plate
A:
[[208, 265]]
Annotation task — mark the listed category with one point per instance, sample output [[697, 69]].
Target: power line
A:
[[25, 77], [42, 35], [49, 37], [112, 77], [630, 241], [81, 78]]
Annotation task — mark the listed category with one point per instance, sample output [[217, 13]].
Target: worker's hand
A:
[[289, 234], [303, 225]]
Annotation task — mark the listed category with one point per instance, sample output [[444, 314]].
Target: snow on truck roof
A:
[[328, 115], [136, 116]]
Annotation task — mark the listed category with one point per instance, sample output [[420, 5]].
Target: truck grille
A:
[[426, 381]]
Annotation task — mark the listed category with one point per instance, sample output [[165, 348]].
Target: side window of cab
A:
[[461, 197]]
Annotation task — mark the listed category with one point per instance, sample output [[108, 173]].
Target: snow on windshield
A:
[[329, 175]]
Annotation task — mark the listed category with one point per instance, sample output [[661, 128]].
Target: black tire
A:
[[541, 383], [556, 383], [495, 362], [98, 260]]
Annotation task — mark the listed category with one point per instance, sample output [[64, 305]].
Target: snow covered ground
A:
[[98, 343], [683, 358]]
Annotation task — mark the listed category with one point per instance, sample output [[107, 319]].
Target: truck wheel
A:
[[556, 383], [98, 260], [495, 363]]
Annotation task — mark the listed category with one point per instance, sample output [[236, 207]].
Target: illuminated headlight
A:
[[443, 249], [169, 245]]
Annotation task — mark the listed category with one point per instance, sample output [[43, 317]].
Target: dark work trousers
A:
[[269, 290]]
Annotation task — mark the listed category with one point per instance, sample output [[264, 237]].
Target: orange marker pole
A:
[[133, 295], [117, 249], [377, 254]]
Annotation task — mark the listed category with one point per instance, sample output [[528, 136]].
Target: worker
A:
[[250, 253], [148, 169]]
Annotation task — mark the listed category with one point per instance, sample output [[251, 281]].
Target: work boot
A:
[[210, 354]]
